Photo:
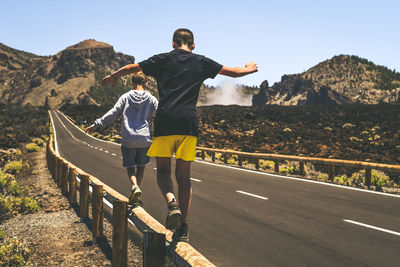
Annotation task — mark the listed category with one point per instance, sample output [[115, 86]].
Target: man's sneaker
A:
[[174, 216], [181, 234], [135, 197], [139, 203]]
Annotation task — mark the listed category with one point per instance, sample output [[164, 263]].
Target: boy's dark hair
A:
[[183, 36], [139, 78]]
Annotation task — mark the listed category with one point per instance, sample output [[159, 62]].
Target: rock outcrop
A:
[[261, 98]]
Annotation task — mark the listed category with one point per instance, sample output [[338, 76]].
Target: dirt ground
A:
[[55, 235]]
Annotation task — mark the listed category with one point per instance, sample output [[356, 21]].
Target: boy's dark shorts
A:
[[132, 157]]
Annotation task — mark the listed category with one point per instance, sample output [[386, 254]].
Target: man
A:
[[179, 75], [137, 108]]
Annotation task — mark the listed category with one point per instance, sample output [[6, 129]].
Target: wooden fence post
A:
[[53, 166], [368, 172], [276, 166], [331, 172], [257, 164], [72, 186], [48, 155], [64, 177], [213, 156], [119, 239], [97, 212], [302, 172], [59, 171], [84, 197], [153, 249], [240, 158], [203, 154], [225, 158]]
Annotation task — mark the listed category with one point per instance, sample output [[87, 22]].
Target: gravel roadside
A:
[[55, 235]]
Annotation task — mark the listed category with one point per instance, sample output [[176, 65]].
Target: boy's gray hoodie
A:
[[137, 109]]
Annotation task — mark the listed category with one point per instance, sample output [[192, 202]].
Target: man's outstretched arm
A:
[[125, 70], [239, 71]]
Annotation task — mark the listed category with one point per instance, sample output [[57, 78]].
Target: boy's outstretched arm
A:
[[125, 70], [239, 71]]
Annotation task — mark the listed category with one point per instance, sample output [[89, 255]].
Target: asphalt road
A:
[[247, 218]]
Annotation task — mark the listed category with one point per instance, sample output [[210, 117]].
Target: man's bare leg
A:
[[140, 174], [135, 178], [182, 173], [174, 215], [132, 175], [164, 178]]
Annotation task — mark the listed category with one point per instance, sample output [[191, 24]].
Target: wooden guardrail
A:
[[70, 178], [276, 158]]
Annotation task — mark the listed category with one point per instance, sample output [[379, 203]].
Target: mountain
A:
[[340, 80], [74, 74], [53, 80]]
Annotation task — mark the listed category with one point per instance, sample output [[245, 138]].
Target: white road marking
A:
[[54, 134], [196, 180], [252, 195], [84, 131], [100, 149], [95, 147], [66, 129], [113, 154], [299, 179], [154, 168], [373, 227], [106, 151]]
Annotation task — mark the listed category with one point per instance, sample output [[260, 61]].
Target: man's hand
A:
[[239, 71], [251, 66], [89, 129], [109, 79]]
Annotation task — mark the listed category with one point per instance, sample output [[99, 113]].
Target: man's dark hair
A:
[[183, 36]]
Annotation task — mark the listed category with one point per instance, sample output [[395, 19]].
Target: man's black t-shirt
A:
[[179, 75]]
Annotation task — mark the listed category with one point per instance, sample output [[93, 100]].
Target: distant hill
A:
[[28, 78], [340, 80]]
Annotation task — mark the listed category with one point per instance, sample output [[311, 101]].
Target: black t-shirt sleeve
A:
[[210, 68], [153, 65]]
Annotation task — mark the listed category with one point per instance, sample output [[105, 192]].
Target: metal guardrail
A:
[[331, 163]]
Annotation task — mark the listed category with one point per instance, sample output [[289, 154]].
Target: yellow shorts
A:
[[184, 147]]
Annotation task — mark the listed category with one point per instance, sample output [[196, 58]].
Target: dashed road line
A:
[[298, 179], [106, 151], [196, 180], [113, 154], [373, 227], [252, 195]]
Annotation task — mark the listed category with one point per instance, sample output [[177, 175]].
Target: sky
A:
[[282, 37]]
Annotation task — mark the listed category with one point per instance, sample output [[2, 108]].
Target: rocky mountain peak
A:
[[88, 44], [28, 78], [343, 79]]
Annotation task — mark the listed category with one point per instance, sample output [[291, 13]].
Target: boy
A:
[[179, 75], [137, 108]]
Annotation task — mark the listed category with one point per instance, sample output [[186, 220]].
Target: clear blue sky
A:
[[282, 37]]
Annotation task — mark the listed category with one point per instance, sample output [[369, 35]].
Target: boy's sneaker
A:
[[174, 216], [137, 204], [135, 198], [181, 234]]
